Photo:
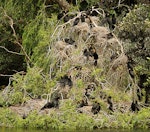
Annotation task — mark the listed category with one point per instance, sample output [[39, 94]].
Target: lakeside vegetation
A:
[[74, 120], [35, 60]]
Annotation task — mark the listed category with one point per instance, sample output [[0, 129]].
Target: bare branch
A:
[[12, 52], [120, 44], [119, 3], [2, 75]]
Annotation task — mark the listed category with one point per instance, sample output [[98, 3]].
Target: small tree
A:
[[135, 30]]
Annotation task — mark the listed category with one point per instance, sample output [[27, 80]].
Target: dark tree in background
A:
[[14, 16]]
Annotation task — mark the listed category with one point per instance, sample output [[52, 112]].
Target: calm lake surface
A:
[[2, 129]]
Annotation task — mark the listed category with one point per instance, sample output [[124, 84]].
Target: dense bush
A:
[[135, 31], [72, 120], [37, 32]]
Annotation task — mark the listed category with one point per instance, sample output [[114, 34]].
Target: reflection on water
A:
[[2, 129]]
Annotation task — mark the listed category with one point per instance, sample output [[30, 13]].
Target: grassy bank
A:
[[73, 120]]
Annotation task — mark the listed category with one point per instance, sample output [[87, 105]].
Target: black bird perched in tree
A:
[[130, 63], [60, 15], [88, 92], [109, 101], [130, 66], [93, 11], [95, 63], [95, 108], [92, 50], [88, 12], [83, 5], [108, 20], [65, 80], [76, 21], [78, 67], [135, 106], [121, 10], [131, 72], [82, 103], [66, 18], [86, 53], [139, 94], [142, 79], [24, 116], [69, 41], [95, 55], [113, 21], [109, 35], [54, 101], [91, 87], [82, 17], [48, 105]]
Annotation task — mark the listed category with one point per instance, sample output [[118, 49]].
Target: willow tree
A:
[[14, 15]]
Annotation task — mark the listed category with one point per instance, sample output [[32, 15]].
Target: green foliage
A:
[[141, 120], [14, 15], [70, 119], [16, 97], [7, 118], [34, 82], [37, 40], [1, 99], [33, 34], [96, 72], [93, 2], [73, 119], [135, 30], [80, 84], [134, 26], [144, 69], [11, 97], [67, 120], [147, 83], [38, 33], [38, 121]]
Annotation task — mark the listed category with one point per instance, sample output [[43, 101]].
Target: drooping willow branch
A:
[[11, 23]]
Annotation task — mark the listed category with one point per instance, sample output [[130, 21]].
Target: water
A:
[[2, 129]]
